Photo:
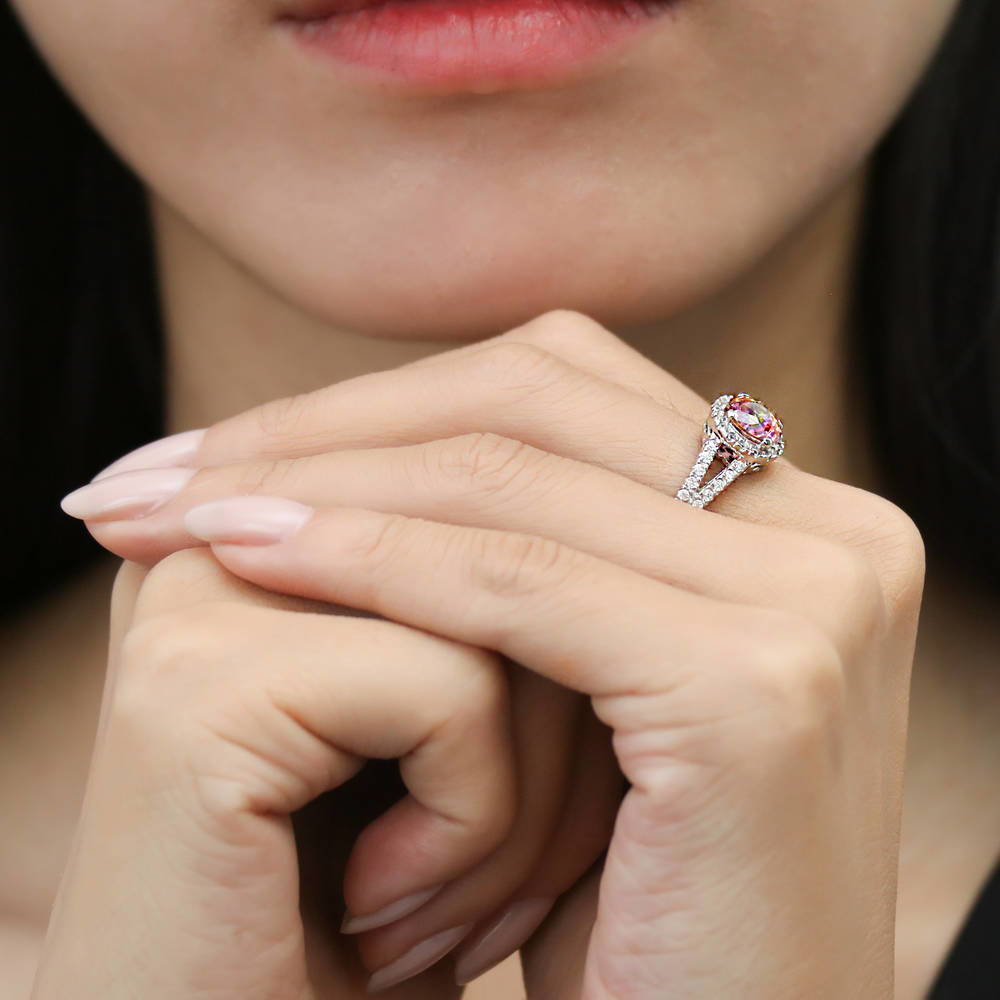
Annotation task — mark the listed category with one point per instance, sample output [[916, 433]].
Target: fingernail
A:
[[129, 495], [394, 911], [175, 449], [418, 959], [250, 520], [502, 937]]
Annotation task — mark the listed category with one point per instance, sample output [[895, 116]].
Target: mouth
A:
[[478, 46]]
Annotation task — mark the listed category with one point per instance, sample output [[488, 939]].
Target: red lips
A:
[[425, 47]]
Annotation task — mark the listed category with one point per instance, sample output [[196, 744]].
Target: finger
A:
[[544, 721], [536, 601], [580, 838], [301, 424], [209, 581], [525, 393], [491, 482], [515, 390], [124, 591], [788, 496], [588, 816], [553, 959], [287, 687]]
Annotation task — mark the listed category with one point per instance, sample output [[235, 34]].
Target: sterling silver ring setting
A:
[[744, 434]]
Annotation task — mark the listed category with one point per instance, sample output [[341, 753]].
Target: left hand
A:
[[753, 666]]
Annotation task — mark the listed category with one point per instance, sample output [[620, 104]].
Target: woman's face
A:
[[626, 190]]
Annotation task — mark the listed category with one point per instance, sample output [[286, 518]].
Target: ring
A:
[[743, 434]]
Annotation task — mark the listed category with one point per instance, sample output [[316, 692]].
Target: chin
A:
[[478, 284]]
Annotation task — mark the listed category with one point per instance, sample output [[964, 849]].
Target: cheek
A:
[[150, 76], [818, 74], [625, 196]]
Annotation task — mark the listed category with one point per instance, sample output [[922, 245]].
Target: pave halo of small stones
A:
[[738, 452]]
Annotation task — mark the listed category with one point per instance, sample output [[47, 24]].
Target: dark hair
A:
[[81, 370]]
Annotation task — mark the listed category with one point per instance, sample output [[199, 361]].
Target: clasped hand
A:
[[474, 564]]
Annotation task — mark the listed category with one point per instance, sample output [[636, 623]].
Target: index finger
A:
[[317, 421]]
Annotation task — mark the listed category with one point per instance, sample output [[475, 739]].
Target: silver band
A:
[[744, 434]]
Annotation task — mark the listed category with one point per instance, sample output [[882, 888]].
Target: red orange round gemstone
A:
[[753, 418]]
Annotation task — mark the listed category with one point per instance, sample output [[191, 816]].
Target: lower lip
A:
[[478, 45]]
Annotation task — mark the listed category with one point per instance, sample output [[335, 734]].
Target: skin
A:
[[765, 759], [263, 301]]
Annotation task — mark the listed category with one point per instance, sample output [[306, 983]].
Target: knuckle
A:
[[903, 552], [513, 564], [268, 476], [845, 579], [560, 329], [896, 547], [491, 826], [165, 667], [376, 537], [797, 677], [183, 688], [516, 366], [178, 566], [180, 670], [485, 462], [165, 650], [283, 418], [177, 576]]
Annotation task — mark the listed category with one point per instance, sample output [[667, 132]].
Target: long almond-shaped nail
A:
[[500, 938], [247, 520], [418, 959], [394, 911], [128, 495], [175, 449]]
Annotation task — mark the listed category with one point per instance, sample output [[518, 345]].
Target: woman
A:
[[445, 295]]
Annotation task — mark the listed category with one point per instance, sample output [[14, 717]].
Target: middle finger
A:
[[489, 481]]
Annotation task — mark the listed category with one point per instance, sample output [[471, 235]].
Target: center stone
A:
[[753, 418]]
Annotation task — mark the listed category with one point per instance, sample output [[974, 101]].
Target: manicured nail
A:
[[175, 449], [394, 911], [500, 938], [418, 959], [249, 520], [128, 495]]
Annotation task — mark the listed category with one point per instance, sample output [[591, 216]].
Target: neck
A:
[[777, 331]]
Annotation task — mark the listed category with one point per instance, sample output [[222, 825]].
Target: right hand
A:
[[227, 709]]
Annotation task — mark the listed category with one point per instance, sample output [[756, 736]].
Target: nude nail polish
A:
[[248, 519], [127, 495], [501, 938], [418, 959], [175, 449], [394, 911]]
